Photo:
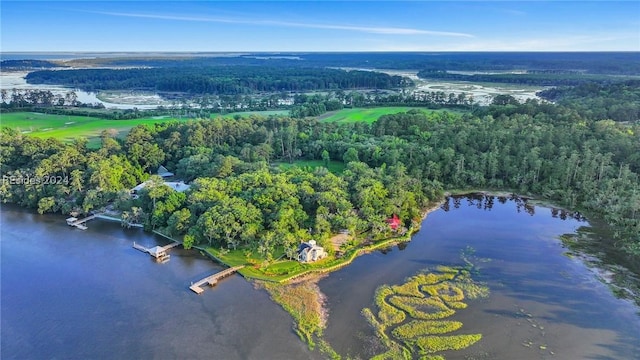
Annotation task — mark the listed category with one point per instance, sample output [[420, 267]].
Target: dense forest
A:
[[537, 78], [398, 164], [618, 101], [228, 80]]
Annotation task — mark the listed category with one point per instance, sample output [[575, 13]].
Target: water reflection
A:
[[75, 294], [483, 201]]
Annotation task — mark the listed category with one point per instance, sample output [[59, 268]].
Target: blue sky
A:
[[320, 26]]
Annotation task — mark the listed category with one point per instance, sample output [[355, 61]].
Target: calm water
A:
[[87, 294], [10, 80], [575, 315], [72, 294]]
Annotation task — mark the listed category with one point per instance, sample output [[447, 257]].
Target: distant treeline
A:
[[536, 77], [228, 80], [619, 102], [615, 63]]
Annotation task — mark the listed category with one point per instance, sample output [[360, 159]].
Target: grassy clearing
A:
[[69, 127], [258, 268], [282, 271], [66, 128], [368, 115], [336, 167]]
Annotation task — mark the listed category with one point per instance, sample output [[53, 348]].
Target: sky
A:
[[297, 26]]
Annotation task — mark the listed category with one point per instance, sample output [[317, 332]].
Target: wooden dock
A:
[[213, 279], [158, 252], [79, 223]]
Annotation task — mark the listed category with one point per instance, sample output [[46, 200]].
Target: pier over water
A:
[[213, 279], [80, 223]]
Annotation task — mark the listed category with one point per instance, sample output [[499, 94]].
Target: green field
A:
[[368, 115], [67, 128]]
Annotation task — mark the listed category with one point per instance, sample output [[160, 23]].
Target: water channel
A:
[[73, 294]]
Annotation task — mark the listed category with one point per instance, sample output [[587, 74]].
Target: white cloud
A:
[[561, 42], [364, 29]]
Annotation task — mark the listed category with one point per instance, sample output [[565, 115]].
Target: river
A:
[[10, 80], [76, 294], [72, 294]]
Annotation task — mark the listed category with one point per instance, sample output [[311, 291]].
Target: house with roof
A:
[[394, 222], [164, 173], [309, 252], [178, 186]]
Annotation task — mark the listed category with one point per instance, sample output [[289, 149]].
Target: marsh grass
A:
[[424, 299], [305, 304], [417, 328], [473, 290], [432, 344], [422, 308], [388, 314], [410, 288]]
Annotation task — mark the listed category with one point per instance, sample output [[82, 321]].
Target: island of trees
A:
[[222, 80]]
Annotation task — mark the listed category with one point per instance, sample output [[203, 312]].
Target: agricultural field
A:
[[368, 115]]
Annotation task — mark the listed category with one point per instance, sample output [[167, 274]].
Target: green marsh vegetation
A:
[[304, 302], [410, 318]]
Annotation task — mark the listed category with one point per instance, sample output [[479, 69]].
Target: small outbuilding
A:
[[157, 251], [309, 252], [394, 222]]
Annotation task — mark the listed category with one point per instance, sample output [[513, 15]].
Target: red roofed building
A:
[[394, 222]]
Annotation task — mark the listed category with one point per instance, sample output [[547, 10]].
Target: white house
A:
[[178, 186], [309, 252]]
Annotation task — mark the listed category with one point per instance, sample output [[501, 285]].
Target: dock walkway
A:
[[79, 223], [213, 279]]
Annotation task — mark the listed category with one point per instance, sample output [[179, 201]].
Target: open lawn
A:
[[368, 115], [67, 128]]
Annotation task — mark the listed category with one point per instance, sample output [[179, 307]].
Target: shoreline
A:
[[111, 218], [311, 274]]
